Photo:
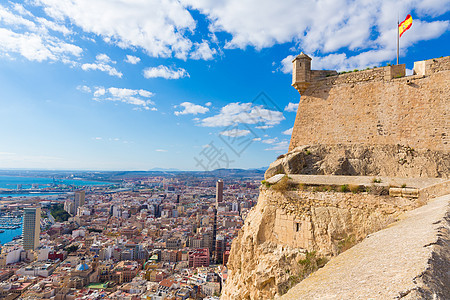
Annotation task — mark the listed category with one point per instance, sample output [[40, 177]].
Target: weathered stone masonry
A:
[[379, 106]]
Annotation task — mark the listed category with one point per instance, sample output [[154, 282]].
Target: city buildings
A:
[[79, 200], [219, 192], [199, 258], [127, 241], [72, 205], [31, 227]]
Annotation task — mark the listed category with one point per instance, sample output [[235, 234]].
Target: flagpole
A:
[[398, 38]]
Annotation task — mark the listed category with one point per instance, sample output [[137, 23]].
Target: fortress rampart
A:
[[379, 106]]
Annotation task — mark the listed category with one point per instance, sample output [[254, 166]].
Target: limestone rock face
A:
[[408, 260], [362, 160], [270, 254]]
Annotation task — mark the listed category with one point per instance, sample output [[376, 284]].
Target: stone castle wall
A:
[[378, 107]]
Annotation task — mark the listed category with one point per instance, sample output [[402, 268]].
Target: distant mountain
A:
[[236, 172], [164, 170], [260, 169], [120, 175]]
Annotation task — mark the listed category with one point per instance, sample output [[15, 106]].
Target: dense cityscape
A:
[[151, 237], [224, 150]]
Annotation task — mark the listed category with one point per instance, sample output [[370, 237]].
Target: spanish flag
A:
[[405, 25]]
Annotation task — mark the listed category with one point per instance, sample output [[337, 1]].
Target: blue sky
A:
[[192, 85]]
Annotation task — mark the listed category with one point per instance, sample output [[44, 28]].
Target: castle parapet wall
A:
[[375, 74], [379, 106], [431, 66], [331, 77]]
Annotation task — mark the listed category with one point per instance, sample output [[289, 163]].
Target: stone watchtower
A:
[[301, 75]]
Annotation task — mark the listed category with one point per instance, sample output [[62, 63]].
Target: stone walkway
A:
[[418, 183], [386, 264]]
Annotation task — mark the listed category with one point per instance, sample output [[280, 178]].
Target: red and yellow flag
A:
[[405, 25]]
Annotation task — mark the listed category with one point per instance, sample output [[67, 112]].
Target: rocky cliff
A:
[[361, 160], [290, 234]]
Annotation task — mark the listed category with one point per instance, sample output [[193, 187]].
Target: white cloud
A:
[[167, 29], [270, 141], [325, 26], [235, 132], [191, 108], [20, 9], [102, 67], [246, 113], [36, 48], [145, 93], [386, 51], [279, 146], [84, 88], [161, 150], [132, 59], [288, 131], [208, 103], [46, 25], [256, 139], [160, 28], [384, 48], [103, 58], [291, 107], [203, 51], [139, 98], [99, 91], [264, 127], [7, 17], [286, 64], [31, 37], [102, 63], [165, 72]]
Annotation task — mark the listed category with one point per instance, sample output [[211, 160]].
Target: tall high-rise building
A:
[[219, 199], [78, 200], [31, 227], [219, 249], [69, 206], [219, 191], [213, 242]]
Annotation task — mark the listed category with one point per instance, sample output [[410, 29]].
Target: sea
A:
[[11, 182], [9, 234]]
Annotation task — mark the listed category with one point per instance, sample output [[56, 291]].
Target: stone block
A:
[[410, 193], [395, 192]]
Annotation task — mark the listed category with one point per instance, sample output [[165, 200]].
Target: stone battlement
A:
[[303, 77], [379, 106]]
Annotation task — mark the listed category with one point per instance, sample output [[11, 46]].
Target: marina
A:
[[10, 228], [10, 222]]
